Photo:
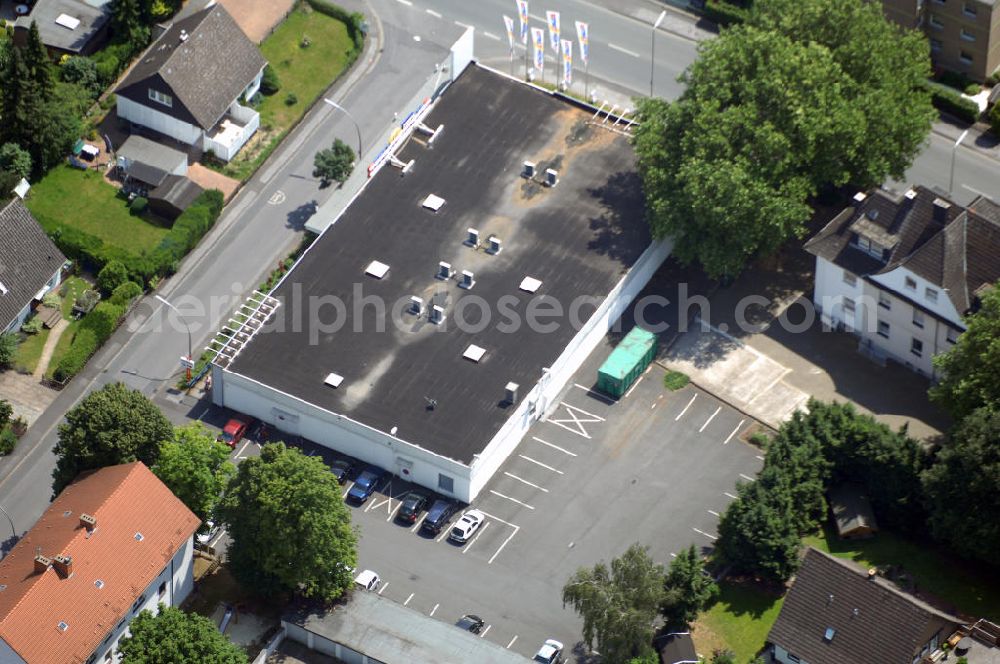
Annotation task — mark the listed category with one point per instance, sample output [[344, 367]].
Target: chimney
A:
[[860, 197], [184, 35], [872, 573], [88, 521], [41, 563], [941, 208], [510, 393], [63, 565]]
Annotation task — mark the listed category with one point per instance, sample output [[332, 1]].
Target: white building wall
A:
[[830, 291], [781, 656], [942, 306], [462, 53], [22, 315], [7, 654], [149, 117], [254, 86]]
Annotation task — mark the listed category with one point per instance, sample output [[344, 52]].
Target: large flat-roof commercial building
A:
[[443, 396]]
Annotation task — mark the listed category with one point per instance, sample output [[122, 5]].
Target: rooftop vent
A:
[[530, 284], [445, 271], [496, 246], [416, 305], [41, 563], [67, 513], [87, 521], [63, 565], [468, 280], [3, 289], [872, 214], [510, 393], [472, 238], [433, 202], [333, 380], [856, 612], [184, 35], [911, 194], [138, 537], [437, 314], [376, 269], [829, 634], [872, 573], [529, 170], [98, 584], [474, 353], [67, 21], [551, 177], [63, 625], [860, 196]]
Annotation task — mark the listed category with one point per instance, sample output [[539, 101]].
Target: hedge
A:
[[353, 21], [950, 101], [125, 293], [723, 13], [94, 330]]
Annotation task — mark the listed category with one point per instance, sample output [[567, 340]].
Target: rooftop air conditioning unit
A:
[[468, 280], [551, 177], [529, 170], [437, 314], [510, 393], [496, 246], [472, 239], [444, 271], [416, 305]]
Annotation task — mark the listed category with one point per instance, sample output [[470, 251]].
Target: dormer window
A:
[[870, 247], [161, 98]]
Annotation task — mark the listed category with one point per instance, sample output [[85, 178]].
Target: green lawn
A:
[[70, 290], [969, 588], [739, 621], [83, 199], [302, 72], [29, 351]]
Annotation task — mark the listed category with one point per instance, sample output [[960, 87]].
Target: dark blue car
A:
[[365, 485]]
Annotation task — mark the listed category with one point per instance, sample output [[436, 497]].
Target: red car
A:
[[233, 432]]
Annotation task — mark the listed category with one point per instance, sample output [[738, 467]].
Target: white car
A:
[[368, 580], [550, 652], [467, 526], [210, 532]]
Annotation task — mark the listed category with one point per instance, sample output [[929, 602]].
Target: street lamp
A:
[[12, 528], [190, 355], [954, 149], [347, 113], [652, 62]]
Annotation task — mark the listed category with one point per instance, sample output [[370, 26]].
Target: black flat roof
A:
[[578, 238]]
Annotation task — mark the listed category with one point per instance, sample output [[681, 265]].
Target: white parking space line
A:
[[524, 481], [509, 538], [433, 13], [513, 500], [419, 523], [575, 422], [618, 48], [634, 385], [215, 540], [473, 540], [350, 486], [545, 466], [408, 599], [735, 431], [713, 512], [405, 2], [444, 533], [463, 25], [490, 35], [555, 447], [483, 633], [434, 610], [726, 493], [747, 478], [239, 455], [512, 642], [384, 586], [681, 414], [709, 420], [392, 512], [702, 532]]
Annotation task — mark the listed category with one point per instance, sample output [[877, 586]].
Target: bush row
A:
[[951, 101], [724, 13], [353, 20]]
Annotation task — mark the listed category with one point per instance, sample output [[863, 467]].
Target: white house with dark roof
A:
[[190, 83], [901, 272], [30, 264]]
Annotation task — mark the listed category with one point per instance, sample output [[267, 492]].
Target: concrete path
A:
[[50, 347], [26, 394]]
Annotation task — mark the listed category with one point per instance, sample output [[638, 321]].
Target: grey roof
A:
[[851, 508], [178, 191], [150, 175], [92, 15], [28, 259], [151, 153], [579, 238], [207, 70], [676, 648], [953, 247], [390, 632], [873, 622]]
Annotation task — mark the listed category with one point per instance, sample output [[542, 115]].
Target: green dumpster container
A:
[[627, 362]]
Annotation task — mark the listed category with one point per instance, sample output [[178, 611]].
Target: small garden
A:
[[11, 428], [34, 335], [307, 52], [739, 621]]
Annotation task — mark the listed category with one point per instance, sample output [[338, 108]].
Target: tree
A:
[[111, 276], [82, 71], [963, 487], [290, 529], [269, 82], [109, 426], [799, 455], [8, 349], [774, 111], [172, 636], [618, 604], [196, 467], [14, 160], [127, 24], [6, 412], [36, 56], [689, 589], [969, 368], [334, 163]]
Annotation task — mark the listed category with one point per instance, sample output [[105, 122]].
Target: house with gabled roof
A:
[[30, 264], [113, 543], [837, 612], [902, 271], [191, 83]]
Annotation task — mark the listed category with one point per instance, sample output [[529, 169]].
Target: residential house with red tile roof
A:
[[113, 543]]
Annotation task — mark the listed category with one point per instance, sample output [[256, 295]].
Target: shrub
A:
[[675, 380], [32, 326], [138, 205], [973, 89], [81, 348], [953, 79], [723, 13], [6, 412], [15, 160], [8, 349], [81, 70], [949, 101], [993, 78], [291, 99], [111, 276], [995, 119], [103, 320], [125, 293], [269, 83], [8, 441], [52, 299]]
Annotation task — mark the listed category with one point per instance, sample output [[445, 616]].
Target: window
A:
[[108, 657], [934, 21], [138, 603], [918, 319], [446, 483], [969, 10], [965, 57], [917, 347], [968, 36], [884, 301], [848, 305], [863, 243], [850, 279], [161, 98], [163, 589], [911, 284], [936, 44], [953, 335], [883, 329], [930, 294], [793, 658]]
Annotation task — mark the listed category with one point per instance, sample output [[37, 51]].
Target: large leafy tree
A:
[[128, 22], [689, 589], [290, 529], [172, 636], [196, 467], [36, 57], [970, 368], [799, 454], [334, 163], [110, 426], [773, 111], [963, 487], [618, 603]]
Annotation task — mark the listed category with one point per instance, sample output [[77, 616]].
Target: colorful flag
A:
[[583, 36], [522, 13], [553, 19], [538, 39], [509, 24], [567, 60]]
